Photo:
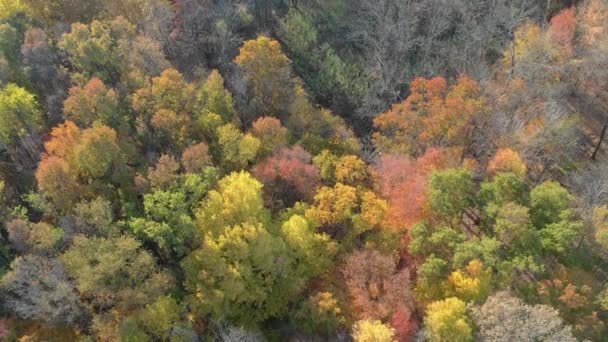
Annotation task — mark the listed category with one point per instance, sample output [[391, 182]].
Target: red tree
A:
[[288, 176], [563, 28], [405, 325], [404, 183]]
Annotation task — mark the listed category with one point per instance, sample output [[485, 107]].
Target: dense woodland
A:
[[304, 170]]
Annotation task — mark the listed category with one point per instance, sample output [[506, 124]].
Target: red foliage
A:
[[288, 176], [563, 28], [404, 183], [405, 325]]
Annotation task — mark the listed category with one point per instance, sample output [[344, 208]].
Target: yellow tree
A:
[[372, 331], [446, 321], [268, 72]]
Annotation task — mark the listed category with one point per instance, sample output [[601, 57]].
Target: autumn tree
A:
[[288, 176], [268, 73], [93, 102], [446, 320], [350, 170], [404, 182], [333, 206], [196, 157], [165, 107], [238, 199], [368, 331], [113, 52], [270, 133], [504, 317], [507, 160], [215, 99], [433, 115], [38, 288], [378, 289], [563, 28], [237, 149], [164, 174], [76, 159]]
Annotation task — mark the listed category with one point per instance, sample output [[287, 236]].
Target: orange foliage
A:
[[404, 183], [430, 116], [63, 138], [377, 287], [507, 160]]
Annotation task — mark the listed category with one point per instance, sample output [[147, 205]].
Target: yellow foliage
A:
[[372, 331], [446, 321], [333, 205], [350, 170], [11, 7], [473, 284]]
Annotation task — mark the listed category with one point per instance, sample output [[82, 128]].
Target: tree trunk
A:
[[599, 143]]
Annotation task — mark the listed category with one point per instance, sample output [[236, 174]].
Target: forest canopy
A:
[[303, 170]]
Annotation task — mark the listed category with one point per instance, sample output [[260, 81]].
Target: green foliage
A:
[[167, 222], [451, 192], [114, 271], [244, 274], [215, 99], [159, 317], [19, 113], [547, 201], [312, 251], [238, 149], [113, 52], [299, 34], [320, 313]]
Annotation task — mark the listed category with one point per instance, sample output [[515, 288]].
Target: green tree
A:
[[320, 313], [167, 222], [312, 251], [159, 317], [244, 274], [19, 113], [215, 99], [237, 149], [451, 192], [113, 52], [114, 272], [97, 152], [547, 201]]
